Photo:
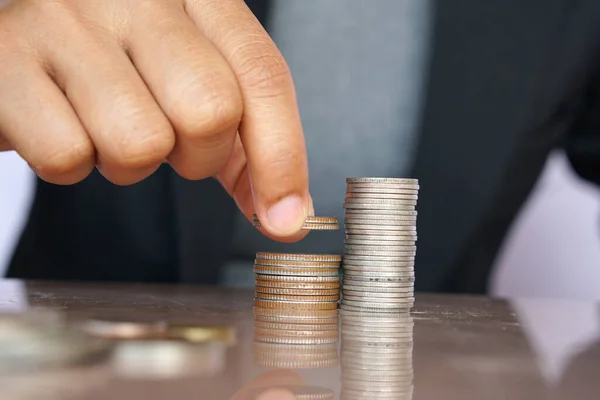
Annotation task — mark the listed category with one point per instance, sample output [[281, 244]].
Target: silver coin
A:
[[381, 253], [377, 327], [382, 213], [381, 271], [349, 257], [359, 350], [378, 386], [390, 247], [376, 286], [389, 302], [386, 180], [378, 303], [361, 242], [381, 227], [380, 279], [371, 206], [377, 233], [368, 221], [379, 218], [377, 189], [400, 292], [368, 374], [408, 237], [368, 263], [394, 196], [382, 201], [378, 289], [348, 394]]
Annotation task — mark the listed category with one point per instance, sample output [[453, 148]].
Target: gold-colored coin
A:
[[295, 339], [273, 284], [305, 271], [298, 257], [294, 313], [283, 320], [295, 291], [273, 364], [284, 263], [325, 280], [286, 297], [295, 305]]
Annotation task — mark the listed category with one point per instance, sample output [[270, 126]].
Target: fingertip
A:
[[286, 217]]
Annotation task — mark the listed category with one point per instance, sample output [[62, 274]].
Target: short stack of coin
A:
[[297, 281], [376, 356], [297, 339], [380, 244], [311, 223]]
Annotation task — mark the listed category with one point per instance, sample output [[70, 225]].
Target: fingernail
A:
[[287, 216]]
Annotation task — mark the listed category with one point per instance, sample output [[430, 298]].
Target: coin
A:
[[383, 180], [381, 201], [305, 265], [298, 257], [297, 291], [375, 242], [375, 206], [382, 271], [381, 253], [296, 364], [378, 233], [310, 219], [283, 263], [398, 292], [309, 226], [356, 257], [382, 212], [367, 195], [377, 278], [380, 248], [355, 188], [359, 264], [296, 305], [269, 270], [376, 309], [316, 280], [294, 313], [277, 286], [401, 303], [326, 349], [378, 289], [285, 297], [353, 214]]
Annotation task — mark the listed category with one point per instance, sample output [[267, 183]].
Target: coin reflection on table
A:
[[42, 355], [298, 339], [165, 351], [376, 355]]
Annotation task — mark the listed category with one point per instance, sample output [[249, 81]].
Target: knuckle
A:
[[265, 70], [152, 149], [203, 115], [66, 159], [143, 142]]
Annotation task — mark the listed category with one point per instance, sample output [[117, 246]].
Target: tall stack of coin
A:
[[380, 244], [376, 356], [298, 339]]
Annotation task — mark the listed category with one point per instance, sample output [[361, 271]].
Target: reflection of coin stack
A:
[[288, 338], [380, 244], [376, 355]]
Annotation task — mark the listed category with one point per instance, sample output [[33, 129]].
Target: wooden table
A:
[[463, 347]]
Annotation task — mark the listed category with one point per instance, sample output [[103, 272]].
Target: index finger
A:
[[270, 129]]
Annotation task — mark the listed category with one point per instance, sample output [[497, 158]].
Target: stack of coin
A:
[[380, 244], [288, 338], [311, 223], [297, 281], [376, 356]]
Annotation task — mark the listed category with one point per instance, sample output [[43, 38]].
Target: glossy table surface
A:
[[462, 347]]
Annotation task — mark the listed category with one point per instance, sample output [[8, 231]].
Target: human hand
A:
[[126, 85]]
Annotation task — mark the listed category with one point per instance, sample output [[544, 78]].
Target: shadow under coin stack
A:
[[376, 356], [380, 244]]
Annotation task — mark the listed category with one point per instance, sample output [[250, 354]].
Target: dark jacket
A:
[[508, 81]]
